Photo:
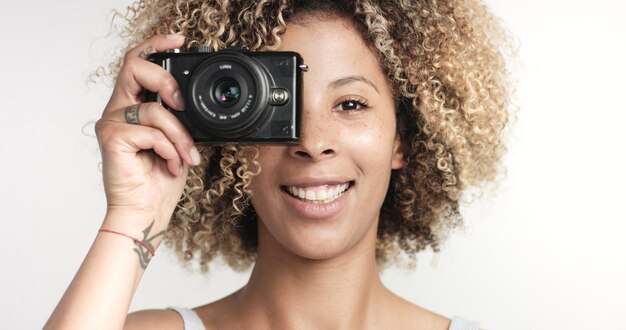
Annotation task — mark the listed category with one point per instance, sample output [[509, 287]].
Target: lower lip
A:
[[317, 211]]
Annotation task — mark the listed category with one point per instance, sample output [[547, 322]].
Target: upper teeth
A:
[[323, 195]]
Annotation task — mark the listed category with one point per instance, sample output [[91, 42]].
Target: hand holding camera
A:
[[229, 96], [145, 149]]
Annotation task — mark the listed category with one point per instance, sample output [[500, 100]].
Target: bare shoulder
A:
[[432, 320], [410, 316], [155, 319]]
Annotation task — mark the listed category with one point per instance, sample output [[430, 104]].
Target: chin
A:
[[320, 249], [321, 241]]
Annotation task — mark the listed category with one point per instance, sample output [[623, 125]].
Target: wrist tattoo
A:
[[145, 248]]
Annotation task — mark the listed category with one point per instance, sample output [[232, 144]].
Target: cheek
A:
[[268, 159], [371, 143], [263, 197]]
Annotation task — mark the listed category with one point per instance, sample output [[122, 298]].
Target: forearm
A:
[[102, 290], [145, 156]]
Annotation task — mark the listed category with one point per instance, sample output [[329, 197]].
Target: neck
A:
[[287, 291]]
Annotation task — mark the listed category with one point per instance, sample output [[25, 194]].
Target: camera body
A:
[[236, 96]]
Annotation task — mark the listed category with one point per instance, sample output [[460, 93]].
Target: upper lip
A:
[[310, 181]]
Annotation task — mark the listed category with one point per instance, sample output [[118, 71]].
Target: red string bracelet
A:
[[134, 239]]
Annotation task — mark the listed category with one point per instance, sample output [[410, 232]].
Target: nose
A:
[[318, 140]]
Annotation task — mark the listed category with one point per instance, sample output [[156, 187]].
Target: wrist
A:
[[143, 245], [135, 220], [143, 226], [124, 227]]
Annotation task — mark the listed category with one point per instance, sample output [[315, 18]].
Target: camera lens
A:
[[227, 92]]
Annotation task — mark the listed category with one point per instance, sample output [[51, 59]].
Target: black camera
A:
[[236, 96]]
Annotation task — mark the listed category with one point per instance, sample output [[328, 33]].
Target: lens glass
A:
[[227, 92]]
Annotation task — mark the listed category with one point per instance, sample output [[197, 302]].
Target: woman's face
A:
[[322, 197]]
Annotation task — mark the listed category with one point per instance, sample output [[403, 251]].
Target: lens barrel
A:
[[229, 94]]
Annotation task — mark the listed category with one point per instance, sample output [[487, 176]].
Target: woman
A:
[[403, 108]]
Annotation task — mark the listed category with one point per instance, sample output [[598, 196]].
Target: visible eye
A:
[[351, 103]]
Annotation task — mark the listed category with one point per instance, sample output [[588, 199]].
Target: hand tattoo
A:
[[146, 52], [131, 114]]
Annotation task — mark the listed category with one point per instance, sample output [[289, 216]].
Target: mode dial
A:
[[200, 49]]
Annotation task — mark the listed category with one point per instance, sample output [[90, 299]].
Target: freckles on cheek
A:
[[360, 138], [268, 157], [371, 145], [374, 135]]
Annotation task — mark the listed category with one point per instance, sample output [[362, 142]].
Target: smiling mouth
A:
[[318, 196]]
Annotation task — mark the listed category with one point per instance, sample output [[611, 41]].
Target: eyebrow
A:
[[350, 79]]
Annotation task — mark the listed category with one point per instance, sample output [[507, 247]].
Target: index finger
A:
[[136, 73], [157, 43]]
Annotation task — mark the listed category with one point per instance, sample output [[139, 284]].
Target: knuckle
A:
[[106, 134], [169, 83], [124, 76], [98, 126], [151, 111], [128, 63], [101, 126], [151, 107], [157, 134], [129, 56], [179, 134]]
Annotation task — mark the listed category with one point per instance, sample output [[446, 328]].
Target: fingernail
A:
[[176, 37], [195, 156], [178, 100]]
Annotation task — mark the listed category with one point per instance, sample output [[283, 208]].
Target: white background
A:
[[546, 253]]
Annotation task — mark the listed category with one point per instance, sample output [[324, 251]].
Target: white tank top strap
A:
[[459, 323], [191, 320]]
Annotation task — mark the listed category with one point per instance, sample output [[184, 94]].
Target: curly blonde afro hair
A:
[[444, 62]]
